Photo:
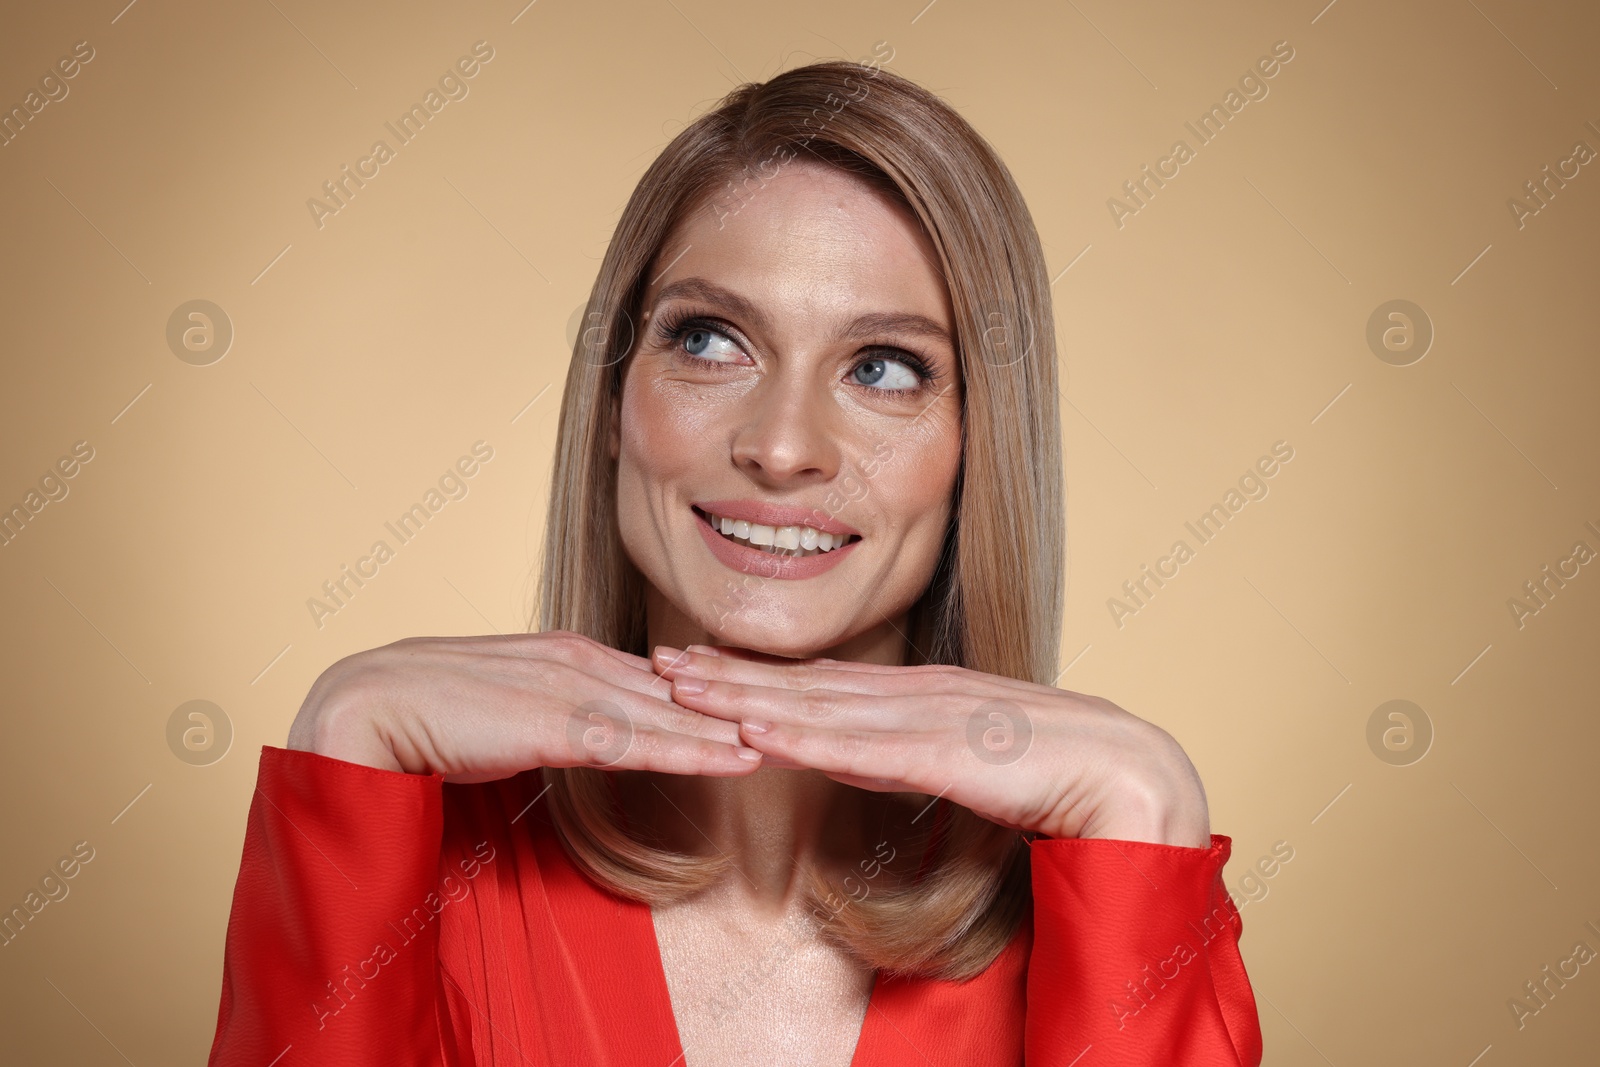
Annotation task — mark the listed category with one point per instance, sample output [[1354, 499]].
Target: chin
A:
[[786, 642]]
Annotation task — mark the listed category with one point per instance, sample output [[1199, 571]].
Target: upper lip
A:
[[775, 515]]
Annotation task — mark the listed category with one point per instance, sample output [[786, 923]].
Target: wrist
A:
[[1156, 796], [1182, 827], [342, 731]]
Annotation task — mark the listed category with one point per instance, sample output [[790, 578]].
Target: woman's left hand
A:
[[1030, 757]]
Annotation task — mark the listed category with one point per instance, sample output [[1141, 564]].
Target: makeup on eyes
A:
[[670, 328]]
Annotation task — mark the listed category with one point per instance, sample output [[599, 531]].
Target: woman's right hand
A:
[[475, 709]]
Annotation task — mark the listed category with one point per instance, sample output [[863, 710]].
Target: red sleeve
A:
[[1136, 956], [323, 963]]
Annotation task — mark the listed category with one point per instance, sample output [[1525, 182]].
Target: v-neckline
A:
[[665, 994]]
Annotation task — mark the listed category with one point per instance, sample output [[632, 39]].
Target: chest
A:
[[746, 991]]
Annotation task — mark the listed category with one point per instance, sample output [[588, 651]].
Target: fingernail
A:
[[685, 684], [749, 754], [704, 650], [666, 654], [755, 727]]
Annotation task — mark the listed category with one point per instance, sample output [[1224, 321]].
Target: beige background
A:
[[435, 310]]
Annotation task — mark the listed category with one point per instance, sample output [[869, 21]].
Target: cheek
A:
[[916, 480], [662, 440], [659, 423]]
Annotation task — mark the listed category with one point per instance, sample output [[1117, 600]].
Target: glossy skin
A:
[[774, 398]]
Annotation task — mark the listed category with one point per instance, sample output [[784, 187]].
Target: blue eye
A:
[[697, 340], [897, 371], [892, 374]]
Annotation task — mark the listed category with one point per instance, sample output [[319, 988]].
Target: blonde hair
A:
[[994, 603]]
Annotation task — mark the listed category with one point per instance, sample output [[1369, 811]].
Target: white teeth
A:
[[779, 540]]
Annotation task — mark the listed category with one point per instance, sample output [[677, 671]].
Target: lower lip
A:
[[765, 564]]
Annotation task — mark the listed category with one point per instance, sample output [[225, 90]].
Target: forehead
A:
[[812, 240]]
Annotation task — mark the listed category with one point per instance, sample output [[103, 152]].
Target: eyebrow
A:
[[859, 329]]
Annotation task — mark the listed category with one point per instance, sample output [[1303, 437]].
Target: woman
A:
[[808, 465]]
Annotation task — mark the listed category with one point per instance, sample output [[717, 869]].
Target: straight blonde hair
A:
[[994, 603]]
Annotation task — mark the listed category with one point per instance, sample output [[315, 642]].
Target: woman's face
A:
[[795, 376]]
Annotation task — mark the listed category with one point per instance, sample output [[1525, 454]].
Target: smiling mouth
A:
[[790, 541]]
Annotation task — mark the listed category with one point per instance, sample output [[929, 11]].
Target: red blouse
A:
[[390, 918]]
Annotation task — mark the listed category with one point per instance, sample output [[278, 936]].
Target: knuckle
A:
[[680, 719], [569, 651], [818, 705], [563, 641], [802, 676], [851, 748]]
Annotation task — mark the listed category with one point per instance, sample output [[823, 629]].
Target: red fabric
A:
[[386, 918]]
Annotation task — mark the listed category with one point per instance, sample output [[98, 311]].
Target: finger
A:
[[873, 678], [621, 745], [936, 675], [838, 709], [622, 693], [891, 762], [665, 714], [772, 672]]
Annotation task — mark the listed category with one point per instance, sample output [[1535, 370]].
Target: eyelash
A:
[[670, 329]]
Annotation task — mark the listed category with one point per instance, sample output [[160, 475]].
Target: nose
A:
[[787, 432]]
